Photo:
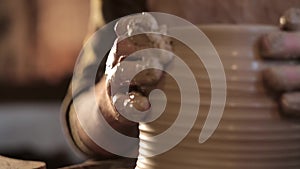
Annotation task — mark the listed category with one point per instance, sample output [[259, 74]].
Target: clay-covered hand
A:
[[284, 45], [125, 89]]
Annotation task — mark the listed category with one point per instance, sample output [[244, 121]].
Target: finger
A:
[[118, 102], [131, 107], [290, 103], [127, 46], [290, 20], [139, 102], [137, 73], [281, 45], [124, 47], [147, 77], [162, 42], [283, 78]]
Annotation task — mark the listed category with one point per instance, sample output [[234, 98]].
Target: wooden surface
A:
[[9, 163], [122, 163]]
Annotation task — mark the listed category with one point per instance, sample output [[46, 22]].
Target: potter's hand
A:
[[123, 64], [285, 45]]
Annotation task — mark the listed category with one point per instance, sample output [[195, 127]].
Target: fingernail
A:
[[290, 103], [291, 20]]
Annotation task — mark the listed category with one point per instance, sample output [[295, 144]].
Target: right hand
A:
[[285, 46], [120, 66]]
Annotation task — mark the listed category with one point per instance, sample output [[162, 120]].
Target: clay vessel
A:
[[251, 134]]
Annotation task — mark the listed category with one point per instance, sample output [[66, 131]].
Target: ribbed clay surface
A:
[[251, 135]]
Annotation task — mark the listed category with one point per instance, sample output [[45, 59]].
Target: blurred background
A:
[[39, 43]]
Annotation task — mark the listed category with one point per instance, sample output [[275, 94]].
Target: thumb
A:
[[132, 107]]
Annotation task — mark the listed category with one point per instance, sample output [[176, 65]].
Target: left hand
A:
[[123, 65], [285, 45]]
